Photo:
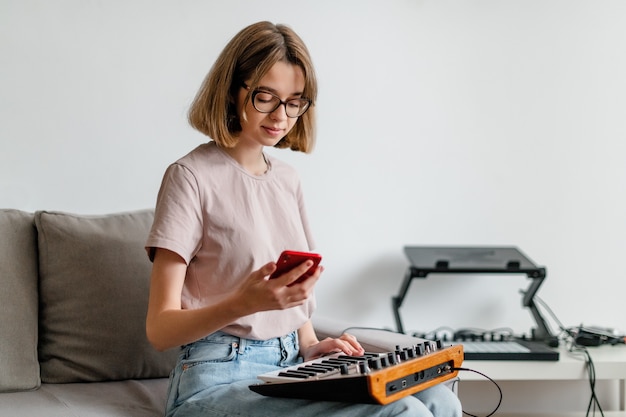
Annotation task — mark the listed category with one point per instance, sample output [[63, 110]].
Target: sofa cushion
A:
[[132, 398], [19, 368], [94, 285]]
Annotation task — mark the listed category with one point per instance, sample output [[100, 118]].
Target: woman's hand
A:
[[346, 343], [259, 293]]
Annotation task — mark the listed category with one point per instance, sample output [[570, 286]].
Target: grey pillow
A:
[[94, 286], [19, 368]]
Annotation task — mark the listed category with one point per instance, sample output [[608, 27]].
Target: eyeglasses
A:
[[266, 102]]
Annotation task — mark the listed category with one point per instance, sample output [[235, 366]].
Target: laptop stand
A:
[[426, 260]]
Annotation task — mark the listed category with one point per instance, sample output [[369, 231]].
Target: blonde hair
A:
[[249, 56]]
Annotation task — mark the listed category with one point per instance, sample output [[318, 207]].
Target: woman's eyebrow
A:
[[273, 90]]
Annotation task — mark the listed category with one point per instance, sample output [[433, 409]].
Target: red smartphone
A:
[[289, 259]]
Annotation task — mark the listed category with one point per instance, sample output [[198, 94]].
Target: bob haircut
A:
[[249, 56]]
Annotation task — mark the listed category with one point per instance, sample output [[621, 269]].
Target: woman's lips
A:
[[273, 131]]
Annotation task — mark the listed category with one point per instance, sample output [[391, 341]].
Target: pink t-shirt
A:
[[225, 223]]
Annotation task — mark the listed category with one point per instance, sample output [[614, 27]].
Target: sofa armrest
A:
[[372, 339]]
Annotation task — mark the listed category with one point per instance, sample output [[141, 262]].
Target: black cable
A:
[[494, 383], [594, 402], [550, 312]]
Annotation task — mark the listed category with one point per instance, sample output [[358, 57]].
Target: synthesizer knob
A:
[[374, 363], [392, 358], [363, 368], [410, 353], [439, 344], [384, 361], [419, 348]]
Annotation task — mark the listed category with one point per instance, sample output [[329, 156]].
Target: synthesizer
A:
[[378, 378]]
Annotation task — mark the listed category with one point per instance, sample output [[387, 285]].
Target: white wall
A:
[[440, 122]]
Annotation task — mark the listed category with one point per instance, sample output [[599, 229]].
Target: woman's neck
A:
[[250, 158]]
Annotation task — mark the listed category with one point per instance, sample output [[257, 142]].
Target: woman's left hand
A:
[[346, 343]]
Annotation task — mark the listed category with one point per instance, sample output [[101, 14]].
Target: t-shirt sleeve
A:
[[177, 222]]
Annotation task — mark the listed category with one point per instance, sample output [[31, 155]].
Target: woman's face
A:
[[284, 80]]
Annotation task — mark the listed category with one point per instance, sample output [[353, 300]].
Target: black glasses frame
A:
[[280, 102]]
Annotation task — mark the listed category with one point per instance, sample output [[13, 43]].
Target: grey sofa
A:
[[72, 311], [72, 314]]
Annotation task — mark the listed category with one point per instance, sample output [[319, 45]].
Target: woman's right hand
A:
[[260, 293]]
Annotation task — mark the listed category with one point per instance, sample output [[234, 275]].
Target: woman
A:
[[224, 212]]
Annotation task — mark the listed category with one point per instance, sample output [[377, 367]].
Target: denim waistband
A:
[[290, 339]]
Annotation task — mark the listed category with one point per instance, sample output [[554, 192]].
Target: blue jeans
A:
[[212, 376]]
